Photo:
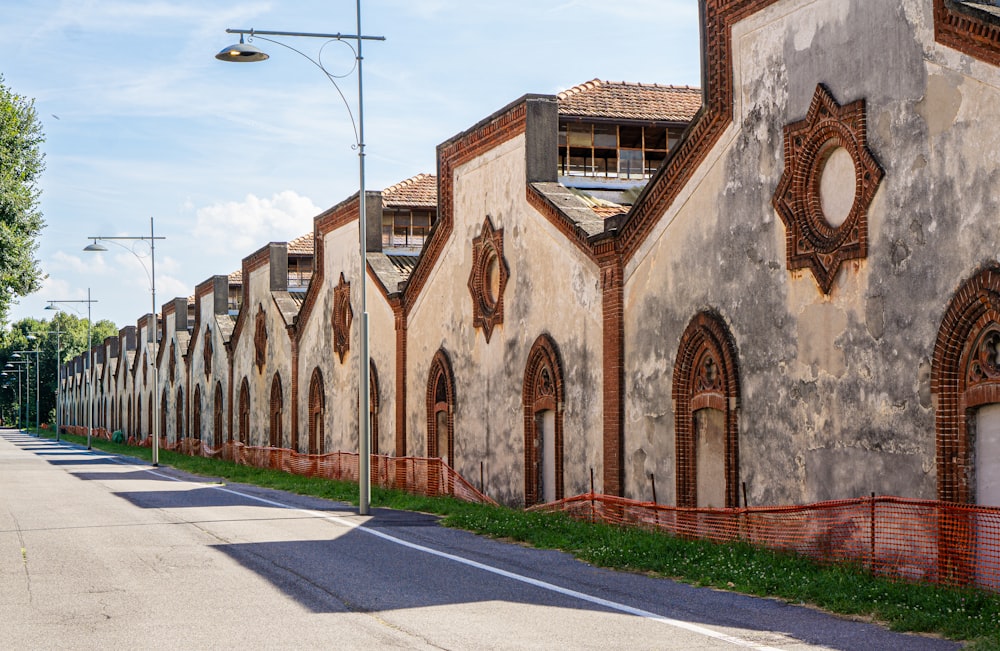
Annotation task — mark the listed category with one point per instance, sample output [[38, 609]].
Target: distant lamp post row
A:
[[58, 334], [151, 273], [27, 401], [244, 52], [90, 365], [18, 364]]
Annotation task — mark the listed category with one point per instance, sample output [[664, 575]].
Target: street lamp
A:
[[242, 52], [27, 391], [151, 272], [58, 334], [90, 366], [11, 365]]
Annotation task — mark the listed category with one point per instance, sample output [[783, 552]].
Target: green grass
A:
[[961, 614]]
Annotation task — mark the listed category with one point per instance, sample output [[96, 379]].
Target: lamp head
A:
[[241, 52], [94, 246], [50, 306]]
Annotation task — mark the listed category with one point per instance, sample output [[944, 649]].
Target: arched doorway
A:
[[706, 391], [440, 409], [317, 404], [275, 435], [542, 399], [217, 428], [965, 377], [373, 403], [196, 413], [244, 413]]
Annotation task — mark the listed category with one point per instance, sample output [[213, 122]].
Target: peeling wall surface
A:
[[552, 289], [277, 359], [340, 381], [382, 351], [836, 398]]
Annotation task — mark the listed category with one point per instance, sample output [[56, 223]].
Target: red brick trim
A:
[[293, 402], [341, 318], [400, 324], [373, 404], [811, 242], [542, 391], [441, 398], [613, 318], [490, 133], [959, 379], [487, 258], [967, 30], [706, 374], [317, 406]]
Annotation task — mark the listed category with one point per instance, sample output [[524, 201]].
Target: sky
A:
[[141, 121]]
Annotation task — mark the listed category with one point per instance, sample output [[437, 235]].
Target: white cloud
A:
[[246, 226], [60, 261]]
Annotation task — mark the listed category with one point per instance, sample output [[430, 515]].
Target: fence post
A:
[[872, 566], [482, 486], [652, 480], [593, 517]]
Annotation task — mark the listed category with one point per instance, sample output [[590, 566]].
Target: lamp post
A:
[[151, 238], [18, 365], [242, 52], [58, 334], [90, 366], [27, 391]]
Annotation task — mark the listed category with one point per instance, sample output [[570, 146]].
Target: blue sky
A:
[[141, 121]]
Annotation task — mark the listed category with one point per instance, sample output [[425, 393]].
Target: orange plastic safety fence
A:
[[417, 475], [938, 542]]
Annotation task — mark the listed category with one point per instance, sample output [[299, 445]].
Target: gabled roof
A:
[[302, 245], [419, 191], [629, 101]]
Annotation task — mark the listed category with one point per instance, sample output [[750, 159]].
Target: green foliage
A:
[[65, 334], [21, 164], [961, 614]]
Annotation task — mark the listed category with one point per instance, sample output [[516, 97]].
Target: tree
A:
[[70, 341], [21, 164]]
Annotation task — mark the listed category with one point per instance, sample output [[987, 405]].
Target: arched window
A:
[[131, 420], [149, 415], [179, 425], [373, 402], [965, 377], [317, 400], [543, 423], [244, 413], [217, 430], [276, 438], [440, 409], [196, 413], [114, 423], [706, 390]]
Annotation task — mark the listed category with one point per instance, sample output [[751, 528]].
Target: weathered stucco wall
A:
[[552, 288], [835, 388], [277, 359], [316, 350], [382, 349]]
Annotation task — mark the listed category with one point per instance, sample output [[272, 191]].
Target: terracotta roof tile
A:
[[629, 101], [609, 211], [302, 245], [419, 191], [236, 278]]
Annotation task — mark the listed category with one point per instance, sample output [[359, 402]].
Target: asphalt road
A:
[[104, 552]]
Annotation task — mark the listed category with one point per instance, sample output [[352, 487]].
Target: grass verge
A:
[[960, 614]]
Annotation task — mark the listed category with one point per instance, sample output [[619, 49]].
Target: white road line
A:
[[611, 605]]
